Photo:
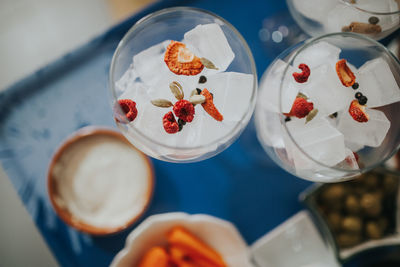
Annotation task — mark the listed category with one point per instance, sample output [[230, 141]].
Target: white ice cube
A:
[[127, 80], [350, 161], [209, 41], [149, 123], [137, 92], [318, 54], [212, 130], [161, 88], [354, 146], [314, 9], [319, 140], [370, 133], [326, 91], [270, 88], [238, 96], [149, 64], [377, 83]]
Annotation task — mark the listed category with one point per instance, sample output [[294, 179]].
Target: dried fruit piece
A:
[[209, 106], [365, 28], [184, 110], [129, 108], [181, 60], [345, 74], [170, 124], [302, 77], [300, 108], [162, 103], [176, 90], [357, 112]]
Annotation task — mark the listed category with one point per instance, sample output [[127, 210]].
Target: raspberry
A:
[[170, 124], [302, 77], [209, 106], [301, 108], [181, 60], [129, 108], [184, 110], [357, 112]]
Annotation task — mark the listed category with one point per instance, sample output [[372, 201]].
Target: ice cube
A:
[[149, 123], [313, 9], [137, 92], [371, 133], [149, 64], [127, 80], [377, 83], [318, 54], [326, 91], [269, 128], [238, 94], [353, 146], [319, 140], [209, 41], [161, 88], [213, 130], [270, 88], [350, 161]]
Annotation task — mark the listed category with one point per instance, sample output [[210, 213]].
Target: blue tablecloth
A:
[[241, 184]]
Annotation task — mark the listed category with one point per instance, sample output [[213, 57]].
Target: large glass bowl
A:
[[317, 17], [275, 88], [172, 24]]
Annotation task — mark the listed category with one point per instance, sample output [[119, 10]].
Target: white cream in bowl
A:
[[102, 181]]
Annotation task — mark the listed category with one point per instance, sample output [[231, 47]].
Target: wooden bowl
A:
[[63, 212]]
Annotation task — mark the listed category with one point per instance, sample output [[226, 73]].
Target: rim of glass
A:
[[197, 10], [307, 43], [354, 6]]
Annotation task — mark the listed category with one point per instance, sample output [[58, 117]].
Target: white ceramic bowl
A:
[[219, 234]]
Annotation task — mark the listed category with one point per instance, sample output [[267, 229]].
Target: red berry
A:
[[301, 108], [170, 124], [302, 77], [357, 112], [184, 110], [129, 108]]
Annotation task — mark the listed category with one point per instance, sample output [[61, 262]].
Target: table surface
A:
[[241, 184]]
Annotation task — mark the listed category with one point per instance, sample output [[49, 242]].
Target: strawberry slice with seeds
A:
[[181, 61], [357, 112], [209, 106]]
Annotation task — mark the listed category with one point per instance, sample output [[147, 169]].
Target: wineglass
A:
[[327, 108], [376, 19], [183, 84]]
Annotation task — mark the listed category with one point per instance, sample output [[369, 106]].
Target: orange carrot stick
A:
[[155, 257], [194, 247]]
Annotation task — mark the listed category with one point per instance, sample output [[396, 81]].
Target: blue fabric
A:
[[241, 184]]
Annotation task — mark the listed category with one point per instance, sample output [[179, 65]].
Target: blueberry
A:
[[198, 91], [358, 95], [355, 86], [287, 119], [363, 100], [202, 79], [182, 122], [180, 127], [373, 20]]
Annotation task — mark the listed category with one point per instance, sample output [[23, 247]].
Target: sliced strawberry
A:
[[209, 106], [357, 112], [344, 73], [181, 61]]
